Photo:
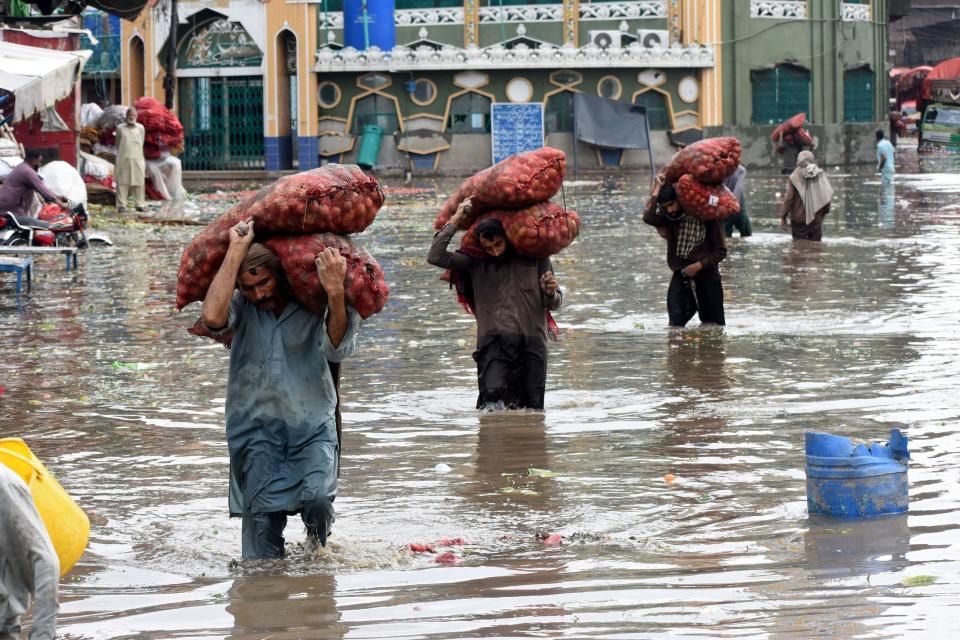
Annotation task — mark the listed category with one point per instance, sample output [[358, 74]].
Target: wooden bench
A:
[[70, 252], [18, 266]]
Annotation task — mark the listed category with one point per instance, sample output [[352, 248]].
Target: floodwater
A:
[[854, 336]]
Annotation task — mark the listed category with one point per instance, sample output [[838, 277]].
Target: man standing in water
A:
[[129, 170], [281, 395], [884, 158], [511, 296], [807, 200], [694, 251]]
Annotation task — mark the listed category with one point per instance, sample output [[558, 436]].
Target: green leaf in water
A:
[[541, 473], [918, 581], [35, 403], [706, 497], [46, 326]]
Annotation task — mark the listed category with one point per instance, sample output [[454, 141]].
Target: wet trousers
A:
[[124, 191], [702, 294], [803, 231], [262, 533], [740, 221], [512, 370]]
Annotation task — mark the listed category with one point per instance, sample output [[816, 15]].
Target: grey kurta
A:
[[281, 403], [509, 300], [129, 169], [28, 562]]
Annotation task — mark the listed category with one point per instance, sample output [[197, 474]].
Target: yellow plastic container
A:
[[66, 523]]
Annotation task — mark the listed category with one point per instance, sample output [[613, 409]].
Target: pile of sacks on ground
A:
[[11, 151], [697, 173], [517, 191], [791, 132], [163, 142], [297, 217]]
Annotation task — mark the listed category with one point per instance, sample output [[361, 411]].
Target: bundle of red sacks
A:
[[697, 172], [162, 130], [791, 132], [297, 217], [517, 192]]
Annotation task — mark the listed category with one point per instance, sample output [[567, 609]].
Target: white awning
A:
[[37, 77]]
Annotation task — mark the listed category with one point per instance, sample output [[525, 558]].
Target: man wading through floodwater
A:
[[281, 395], [694, 251], [511, 296]]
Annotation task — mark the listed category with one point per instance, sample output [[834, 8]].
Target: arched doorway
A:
[[285, 72], [136, 84], [220, 89]]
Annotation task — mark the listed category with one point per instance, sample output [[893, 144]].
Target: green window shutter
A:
[[779, 93], [764, 89], [793, 91], [656, 105], [469, 113], [378, 110], [858, 95], [558, 113]]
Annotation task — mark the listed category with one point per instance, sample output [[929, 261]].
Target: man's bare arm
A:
[[332, 269], [216, 305]]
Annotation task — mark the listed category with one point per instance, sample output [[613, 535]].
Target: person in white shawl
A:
[[807, 200]]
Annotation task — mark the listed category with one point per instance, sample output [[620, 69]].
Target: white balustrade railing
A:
[[782, 9], [520, 57], [851, 12], [625, 10]]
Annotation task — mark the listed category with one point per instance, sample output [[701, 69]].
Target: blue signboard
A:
[[515, 128]]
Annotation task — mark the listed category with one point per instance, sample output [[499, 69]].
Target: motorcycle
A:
[[54, 226]]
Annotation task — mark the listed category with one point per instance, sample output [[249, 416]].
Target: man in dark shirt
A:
[[16, 193], [694, 250], [511, 296]]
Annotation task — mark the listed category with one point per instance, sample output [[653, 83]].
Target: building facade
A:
[[278, 84]]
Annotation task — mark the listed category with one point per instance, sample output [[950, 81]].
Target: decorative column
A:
[[707, 31], [675, 20], [571, 22], [471, 23]]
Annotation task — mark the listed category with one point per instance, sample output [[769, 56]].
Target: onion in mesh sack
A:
[[333, 198], [711, 160], [517, 181]]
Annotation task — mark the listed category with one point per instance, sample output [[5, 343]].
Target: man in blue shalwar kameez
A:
[[281, 395]]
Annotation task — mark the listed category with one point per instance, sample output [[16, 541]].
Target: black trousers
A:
[[512, 370], [702, 294], [262, 533]]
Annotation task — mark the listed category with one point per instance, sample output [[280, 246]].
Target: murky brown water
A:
[[853, 336]]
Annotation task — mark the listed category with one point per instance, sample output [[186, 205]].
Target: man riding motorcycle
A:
[[16, 193]]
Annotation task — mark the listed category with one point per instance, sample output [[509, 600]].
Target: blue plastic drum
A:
[[847, 481]]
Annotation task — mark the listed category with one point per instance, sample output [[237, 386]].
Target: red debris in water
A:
[[552, 539], [450, 542], [421, 548], [2, 390], [447, 557]]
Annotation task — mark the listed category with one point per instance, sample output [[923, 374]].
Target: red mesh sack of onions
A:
[[537, 231], [518, 181], [803, 137], [706, 201], [365, 288], [788, 126], [162, 130], [710, 160], [334, 198]]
